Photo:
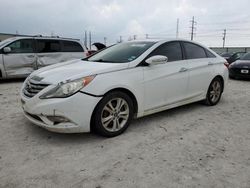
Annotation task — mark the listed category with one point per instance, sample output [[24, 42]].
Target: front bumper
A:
[[77, 109]]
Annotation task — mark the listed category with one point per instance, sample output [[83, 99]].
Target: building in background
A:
[[220, 50]]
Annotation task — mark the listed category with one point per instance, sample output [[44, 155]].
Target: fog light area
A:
[[58, 119]]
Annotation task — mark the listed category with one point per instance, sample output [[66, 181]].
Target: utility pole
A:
[[90, 40], [177, 28], [120, 38], [224, 37], [85, 39], [193, 23], [105, 41]]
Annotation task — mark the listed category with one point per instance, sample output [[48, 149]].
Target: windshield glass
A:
[[6, 41], [246, 57], [121, 53]]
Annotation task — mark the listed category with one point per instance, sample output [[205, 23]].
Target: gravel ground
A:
[[189, 146]]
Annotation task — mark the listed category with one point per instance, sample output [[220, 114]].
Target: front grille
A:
[[32, 87]]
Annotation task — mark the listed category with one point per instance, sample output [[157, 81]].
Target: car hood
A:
[[74, 69], [241, 63]]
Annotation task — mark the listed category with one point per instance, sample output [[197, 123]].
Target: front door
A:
[[21, 60], [167, 83]]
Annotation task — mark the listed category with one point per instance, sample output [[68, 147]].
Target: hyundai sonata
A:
[[105, 91]]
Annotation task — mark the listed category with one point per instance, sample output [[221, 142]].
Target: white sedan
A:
[[104, 92]]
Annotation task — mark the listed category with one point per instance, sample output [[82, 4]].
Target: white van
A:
[[19, 56]]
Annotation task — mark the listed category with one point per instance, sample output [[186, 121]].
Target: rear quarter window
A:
[[209, 54], [194, 51]]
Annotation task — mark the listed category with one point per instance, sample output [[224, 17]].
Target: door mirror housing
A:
[[157, 59], [7, 50]]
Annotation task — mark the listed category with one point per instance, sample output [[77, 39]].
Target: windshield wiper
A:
[[103, 61]]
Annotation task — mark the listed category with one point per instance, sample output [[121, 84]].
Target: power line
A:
[[227, 22]]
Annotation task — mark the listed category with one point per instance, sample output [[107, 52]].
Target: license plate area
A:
[[243, 71]]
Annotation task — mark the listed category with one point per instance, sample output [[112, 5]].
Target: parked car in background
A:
[[19, 56], [131, 79], [235, 56], [95, 47], [240, 68], [226, 55]]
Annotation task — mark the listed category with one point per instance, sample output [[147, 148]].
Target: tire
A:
[[214, 92], [113, 114]]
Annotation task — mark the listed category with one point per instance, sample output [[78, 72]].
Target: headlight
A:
[[67, 89]]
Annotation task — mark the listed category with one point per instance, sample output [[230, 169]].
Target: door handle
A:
[[183, 69], [210, 63]]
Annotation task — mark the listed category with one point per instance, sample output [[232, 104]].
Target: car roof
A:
[[49, 38], [169, 40]]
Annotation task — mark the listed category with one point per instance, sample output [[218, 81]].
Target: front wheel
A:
[[113, 114], [214, 92]]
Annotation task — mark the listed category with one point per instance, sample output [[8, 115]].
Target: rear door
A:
[[72, 50], [21, 61], [200, 64], [48, 52], [166, 83]]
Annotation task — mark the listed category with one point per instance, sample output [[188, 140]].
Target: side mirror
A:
[[7, 50], [157, 59]]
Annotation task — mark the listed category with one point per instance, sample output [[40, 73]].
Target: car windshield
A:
[[6, 41], [121, 53], [245, 57]]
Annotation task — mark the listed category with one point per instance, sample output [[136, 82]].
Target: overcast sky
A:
[[114, 18]]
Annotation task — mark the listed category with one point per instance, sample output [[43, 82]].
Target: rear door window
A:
[[171, 49], [48, 46], [71, 46], [194, 51], [22, 46], [209, 54]]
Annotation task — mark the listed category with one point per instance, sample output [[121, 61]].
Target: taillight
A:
[[226, 64]]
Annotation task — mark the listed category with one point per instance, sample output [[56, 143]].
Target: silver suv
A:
[[19, 56]]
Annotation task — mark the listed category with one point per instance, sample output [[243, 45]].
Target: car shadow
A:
[[240, 79], [134, 128], [13, 80]]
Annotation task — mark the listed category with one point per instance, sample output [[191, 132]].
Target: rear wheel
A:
[[113, 114], [214, 92]]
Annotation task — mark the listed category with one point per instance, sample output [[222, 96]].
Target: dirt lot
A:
[[190, 146]]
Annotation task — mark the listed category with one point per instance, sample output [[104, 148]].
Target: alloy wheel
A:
[[115, 114], [215, 91]]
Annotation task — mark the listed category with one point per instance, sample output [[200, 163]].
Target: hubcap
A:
[[115, 114], [215, 91]]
